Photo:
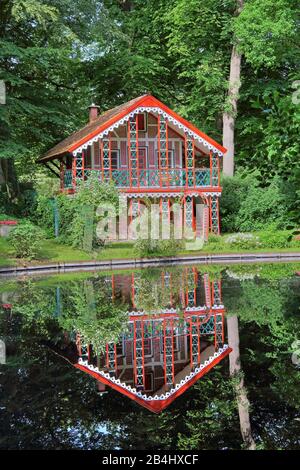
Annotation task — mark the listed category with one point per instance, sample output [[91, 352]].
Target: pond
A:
[[191, 357]]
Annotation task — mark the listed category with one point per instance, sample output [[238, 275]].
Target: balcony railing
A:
[[151, 178]]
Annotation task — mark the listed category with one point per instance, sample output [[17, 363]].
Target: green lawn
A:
[[51, 251]]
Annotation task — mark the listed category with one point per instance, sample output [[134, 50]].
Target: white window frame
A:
[[144, 147]]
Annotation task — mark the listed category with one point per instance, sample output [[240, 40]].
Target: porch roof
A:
[[108, 118]]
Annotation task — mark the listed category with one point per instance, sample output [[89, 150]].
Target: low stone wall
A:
[[6, 226]]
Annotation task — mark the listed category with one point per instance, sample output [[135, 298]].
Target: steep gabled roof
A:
[[110, 117], [158, 403]]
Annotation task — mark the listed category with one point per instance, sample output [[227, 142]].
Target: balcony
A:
[[152, 178]]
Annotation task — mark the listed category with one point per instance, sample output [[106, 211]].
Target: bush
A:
[[147, 247], [246, 241], [274, 238], [215, 242], [234, 190], [247, 205], [25, 239]]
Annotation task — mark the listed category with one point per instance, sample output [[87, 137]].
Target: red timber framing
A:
[[106, 159], [138, 354], [168, 331], [174, 162], [173, 356], [163, 151], [214, 215], [156, 406], [189, 146]]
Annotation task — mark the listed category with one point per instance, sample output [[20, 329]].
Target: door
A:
[[143, 172]]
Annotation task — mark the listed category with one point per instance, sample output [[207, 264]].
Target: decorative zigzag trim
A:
[[204, 308], [163, 396], [142, 109]]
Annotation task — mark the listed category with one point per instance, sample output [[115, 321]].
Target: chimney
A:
[[93, 112]]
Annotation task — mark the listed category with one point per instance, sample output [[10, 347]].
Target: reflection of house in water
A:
[[163, 353]]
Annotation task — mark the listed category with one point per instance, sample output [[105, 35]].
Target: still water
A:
[[184, 358]]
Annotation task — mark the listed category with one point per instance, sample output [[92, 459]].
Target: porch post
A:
[[194, 341], [106, 157], [188, 212], [78, 168], [137, 150], [138, 353], [132, 151], [195, 285], [109, 156], [62, 175], [101, 159], [215, 169], [168, 351], [207, 290], [214, 214], [206, 223], [190, 161], [165, 217], [158, 150], [163, 154], [130, 213]]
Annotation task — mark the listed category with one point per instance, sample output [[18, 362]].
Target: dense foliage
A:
[[41, 391], [57, 57], [79, 215]]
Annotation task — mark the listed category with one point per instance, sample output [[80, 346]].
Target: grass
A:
[[51, 251]]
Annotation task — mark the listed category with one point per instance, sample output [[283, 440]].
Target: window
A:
[[149, 382], [115, 159], [147, 347], [88, 157], [142, 122], [142, 158]]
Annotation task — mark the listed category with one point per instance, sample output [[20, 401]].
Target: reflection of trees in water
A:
[[155, 291], [47, 404], [84, 305], [268, 314], [236, 373]]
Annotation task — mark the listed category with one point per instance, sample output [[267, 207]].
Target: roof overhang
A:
[[153, 105], [157, 403], [147, 103]]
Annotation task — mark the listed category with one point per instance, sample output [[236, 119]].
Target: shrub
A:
[[274, 238], [215, 242], [25, 239], [91, 196], [77, 214], [234, 190], [262, 206], [147, 247], [245, 241], [247, 205]]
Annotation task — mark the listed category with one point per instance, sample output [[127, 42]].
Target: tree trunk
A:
[[229, 115], [236, 372], [8, 177]]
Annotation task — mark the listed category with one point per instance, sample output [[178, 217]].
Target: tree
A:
[[230, 111], [42, 54]]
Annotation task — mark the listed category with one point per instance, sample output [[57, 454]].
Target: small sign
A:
[[2, 352], [2, 92]]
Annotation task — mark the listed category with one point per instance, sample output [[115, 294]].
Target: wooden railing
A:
[[151, 178]]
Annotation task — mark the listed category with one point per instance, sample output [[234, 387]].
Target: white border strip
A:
[[163, 396], [205, 308], [170, 194], [149, 109]]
